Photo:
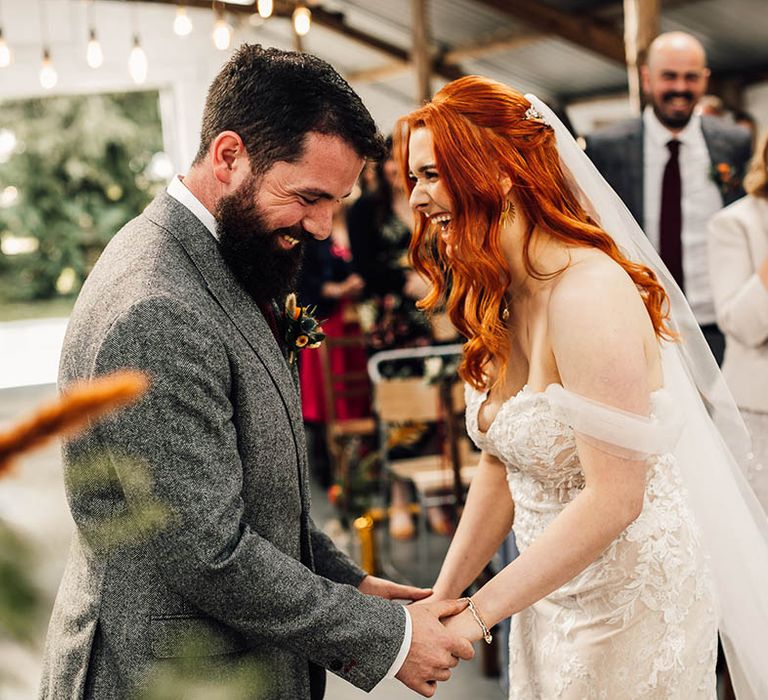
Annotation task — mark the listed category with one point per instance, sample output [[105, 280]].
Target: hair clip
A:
[[533, 114]]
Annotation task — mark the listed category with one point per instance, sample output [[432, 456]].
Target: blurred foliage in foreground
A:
[[198, 671]]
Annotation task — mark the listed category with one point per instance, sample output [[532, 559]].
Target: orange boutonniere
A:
[[725, 177], [300, 327]]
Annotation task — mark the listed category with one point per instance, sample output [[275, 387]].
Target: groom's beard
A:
[[251, 250]]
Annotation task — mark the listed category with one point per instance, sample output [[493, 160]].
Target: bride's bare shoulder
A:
[[595, 279], [600, 329]]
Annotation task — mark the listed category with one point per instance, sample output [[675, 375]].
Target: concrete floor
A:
[[32, 499]]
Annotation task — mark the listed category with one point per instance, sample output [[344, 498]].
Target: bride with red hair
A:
[[575, 365]]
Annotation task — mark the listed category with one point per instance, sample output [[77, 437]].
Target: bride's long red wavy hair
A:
[[480, 133]]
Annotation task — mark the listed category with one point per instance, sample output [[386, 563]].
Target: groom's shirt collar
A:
[[178, 190]]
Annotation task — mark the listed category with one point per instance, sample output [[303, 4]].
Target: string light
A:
[[265, 8], [222, 33], [182, 25], [93, 54], [302, 20], [6, 56], [48, 75], [137, 62]]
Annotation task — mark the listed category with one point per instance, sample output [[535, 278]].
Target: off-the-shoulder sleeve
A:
[[616, 431]]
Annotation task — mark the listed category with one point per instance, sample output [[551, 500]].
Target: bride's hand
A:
[[436, 596], [464, 625]]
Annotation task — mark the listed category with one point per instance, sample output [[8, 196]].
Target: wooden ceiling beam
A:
[[504, 42], [614, 11], [583, 30], [448, 59], [421, 51], [642, 20]]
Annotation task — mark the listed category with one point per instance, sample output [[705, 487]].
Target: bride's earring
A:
[[505, 308], [507, 213]]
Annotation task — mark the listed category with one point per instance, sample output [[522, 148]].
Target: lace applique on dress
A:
[[640, 621]]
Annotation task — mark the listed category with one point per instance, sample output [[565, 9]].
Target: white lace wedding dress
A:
[[640, 621]]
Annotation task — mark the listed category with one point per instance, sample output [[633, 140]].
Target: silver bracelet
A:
[[486, 632]]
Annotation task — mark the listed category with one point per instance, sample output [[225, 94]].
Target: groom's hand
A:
[[373, 585], [434, 650]]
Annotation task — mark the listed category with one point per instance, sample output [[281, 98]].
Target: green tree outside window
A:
[[74, 170]]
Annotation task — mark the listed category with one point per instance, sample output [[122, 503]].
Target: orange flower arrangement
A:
[[725, 177], [300, 327]]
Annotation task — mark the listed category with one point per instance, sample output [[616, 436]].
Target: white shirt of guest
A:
[[701, 199], [178, 190]]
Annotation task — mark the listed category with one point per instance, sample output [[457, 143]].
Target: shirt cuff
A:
[[394, 669]]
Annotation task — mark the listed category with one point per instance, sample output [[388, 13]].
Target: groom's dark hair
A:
[[274, 98]]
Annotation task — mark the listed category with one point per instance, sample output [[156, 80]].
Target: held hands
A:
[[441, 629], [373, 585], [462, 624], [435, 649]]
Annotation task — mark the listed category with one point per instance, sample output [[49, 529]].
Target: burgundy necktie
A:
[[671, 222]]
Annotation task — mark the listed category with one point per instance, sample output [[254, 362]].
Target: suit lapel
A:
[[717, 144], [202, 248]]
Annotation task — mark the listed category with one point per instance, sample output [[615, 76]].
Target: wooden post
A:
[[641, 25], [420, 52]]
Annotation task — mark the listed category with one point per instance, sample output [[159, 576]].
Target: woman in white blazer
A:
[[738, 256]]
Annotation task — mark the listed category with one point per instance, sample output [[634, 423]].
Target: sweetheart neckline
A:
[[509, 399], [525, 389]]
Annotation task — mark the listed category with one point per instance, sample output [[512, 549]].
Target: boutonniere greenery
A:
[[725, 177], [300, 327]]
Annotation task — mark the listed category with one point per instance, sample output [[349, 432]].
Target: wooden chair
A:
[[399, 401], [441, 478]]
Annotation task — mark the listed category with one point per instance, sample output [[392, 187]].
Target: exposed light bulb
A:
[[302, 20], [265, 8], [93, 54], [137, 62], [6, 57], [48, 75], [222, 34], [182, 25]]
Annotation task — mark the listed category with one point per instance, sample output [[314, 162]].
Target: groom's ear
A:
[[228, 158]]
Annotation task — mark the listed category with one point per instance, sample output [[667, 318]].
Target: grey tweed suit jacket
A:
[[237, 575], [617, 152]]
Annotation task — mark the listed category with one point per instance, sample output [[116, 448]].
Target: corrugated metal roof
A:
[[733, 32]]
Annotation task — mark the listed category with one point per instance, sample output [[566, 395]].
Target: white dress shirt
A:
[[178, 190], [701, 199]]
